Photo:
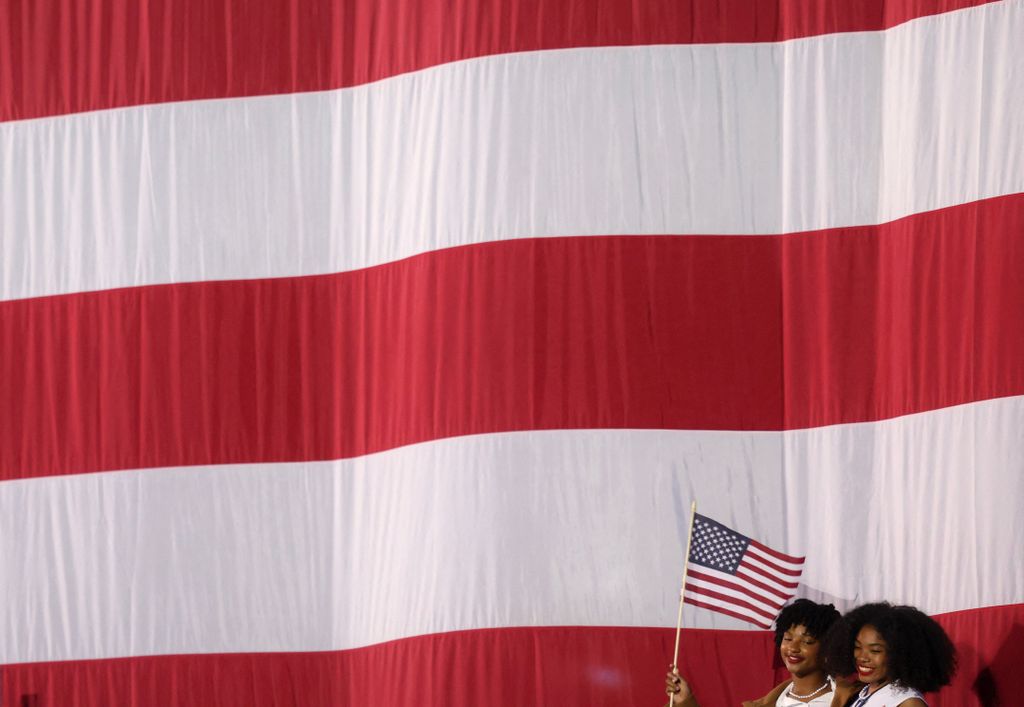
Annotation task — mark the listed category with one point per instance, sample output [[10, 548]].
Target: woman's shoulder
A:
[[893, 695], [902, 693]]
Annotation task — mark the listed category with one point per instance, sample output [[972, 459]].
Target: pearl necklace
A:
[[812, 693]]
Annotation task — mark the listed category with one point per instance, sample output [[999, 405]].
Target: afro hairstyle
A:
[[816, 619], [919, 653]]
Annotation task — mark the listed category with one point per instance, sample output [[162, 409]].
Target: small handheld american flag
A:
[[736, 575]]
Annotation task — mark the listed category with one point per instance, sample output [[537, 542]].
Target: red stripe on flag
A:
[[96, 54], [738, 587], [599, 665], [749, 559], [704, 591], [603, 666], [728, 612], [768, 575], [775, 553], [765, 587], [768, 333]]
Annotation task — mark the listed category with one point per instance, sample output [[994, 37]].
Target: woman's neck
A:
[[809, 682], [876, 686]]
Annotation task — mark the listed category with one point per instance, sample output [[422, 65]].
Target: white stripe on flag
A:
[[760, 554], [729, 141], [750, 615], [756, 577], [755, 562], [770, 598], [758, 601], [251, 557]]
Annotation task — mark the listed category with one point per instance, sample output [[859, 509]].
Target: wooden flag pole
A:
[[682, 590]]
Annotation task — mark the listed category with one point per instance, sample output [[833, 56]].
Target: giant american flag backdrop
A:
[[370, 352]]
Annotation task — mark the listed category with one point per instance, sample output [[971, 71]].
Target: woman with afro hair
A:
[[799, 630], [897, 652]]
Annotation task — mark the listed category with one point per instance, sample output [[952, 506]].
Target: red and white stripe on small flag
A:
[[736, 575]]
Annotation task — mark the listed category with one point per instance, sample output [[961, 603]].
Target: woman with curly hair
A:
[[799, 628], [897, 652]]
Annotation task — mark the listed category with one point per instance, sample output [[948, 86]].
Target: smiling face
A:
[[799, 651], [871, 654]]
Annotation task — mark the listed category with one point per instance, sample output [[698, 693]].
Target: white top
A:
[[825, 698], [889, 695]]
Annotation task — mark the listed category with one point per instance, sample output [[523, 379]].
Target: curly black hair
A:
[[919, 653], [815, 618]]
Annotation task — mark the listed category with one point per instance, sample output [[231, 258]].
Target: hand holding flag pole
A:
[[682, 589]]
